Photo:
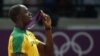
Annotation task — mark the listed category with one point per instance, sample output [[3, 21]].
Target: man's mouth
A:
[[35, 19]]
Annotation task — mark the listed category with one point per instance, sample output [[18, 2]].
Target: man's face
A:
[[25, 15]]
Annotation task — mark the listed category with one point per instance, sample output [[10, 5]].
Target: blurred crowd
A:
[[57, 8], [69, 8]]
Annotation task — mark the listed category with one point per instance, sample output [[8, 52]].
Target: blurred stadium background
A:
[[69, 17]]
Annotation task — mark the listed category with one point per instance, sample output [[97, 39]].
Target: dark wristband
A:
[[47, 28]]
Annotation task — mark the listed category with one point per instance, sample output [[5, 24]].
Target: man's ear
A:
[[18, 18]]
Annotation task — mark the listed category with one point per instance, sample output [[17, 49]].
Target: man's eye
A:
[[27, 13]]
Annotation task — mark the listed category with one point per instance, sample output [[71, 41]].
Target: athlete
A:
[[23, 42]]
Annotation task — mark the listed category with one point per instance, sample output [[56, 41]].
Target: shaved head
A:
[[14, 11]]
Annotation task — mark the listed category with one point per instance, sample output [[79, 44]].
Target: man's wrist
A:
[[48, 28]]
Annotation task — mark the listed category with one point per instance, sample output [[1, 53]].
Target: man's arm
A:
[[46, 48], [49, 43]]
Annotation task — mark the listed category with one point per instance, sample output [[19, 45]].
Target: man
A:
[[22, 42]]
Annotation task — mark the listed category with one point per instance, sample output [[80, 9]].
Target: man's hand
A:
[[46, 20], [47, 48]]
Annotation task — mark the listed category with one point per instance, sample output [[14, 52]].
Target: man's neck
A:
[[21, 27]]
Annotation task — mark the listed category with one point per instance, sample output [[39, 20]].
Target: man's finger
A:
[[42, 13], [41, 10]]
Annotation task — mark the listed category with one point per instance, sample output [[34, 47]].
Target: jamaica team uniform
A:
[[23, 42]]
